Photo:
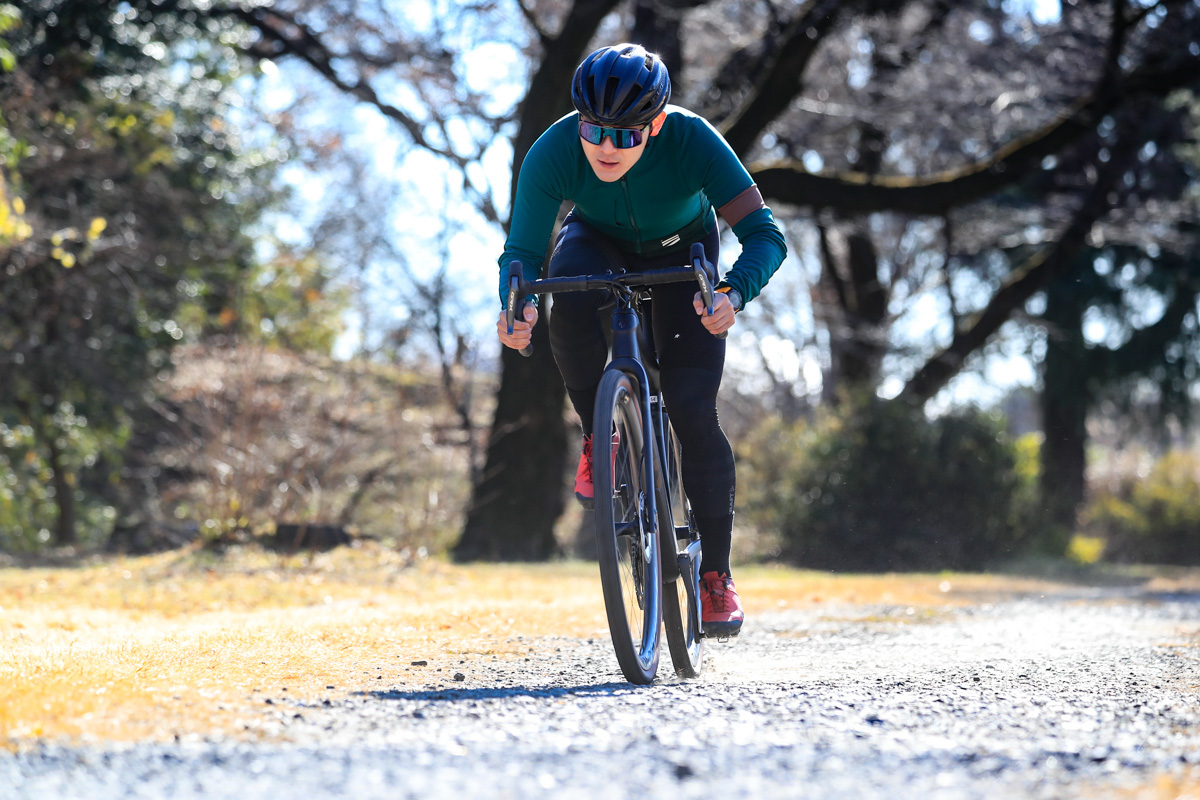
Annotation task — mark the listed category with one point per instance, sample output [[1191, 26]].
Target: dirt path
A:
[[1089, 692]]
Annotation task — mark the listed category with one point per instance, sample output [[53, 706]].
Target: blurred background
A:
[[248, 280]]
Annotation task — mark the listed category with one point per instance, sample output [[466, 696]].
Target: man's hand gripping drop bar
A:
[[701, 270]]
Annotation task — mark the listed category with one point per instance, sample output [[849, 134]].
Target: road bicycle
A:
[[647, 542]]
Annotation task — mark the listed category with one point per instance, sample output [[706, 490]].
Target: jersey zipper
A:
[[637, 235]]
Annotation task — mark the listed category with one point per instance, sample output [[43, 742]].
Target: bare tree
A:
[[869, 118], [1053, 146]]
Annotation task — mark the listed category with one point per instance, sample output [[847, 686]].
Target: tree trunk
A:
[[855, 298], [519, 495], [64, 494], [854, 310], [1066, 398]]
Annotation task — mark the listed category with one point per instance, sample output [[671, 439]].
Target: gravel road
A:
[[1092, 694]]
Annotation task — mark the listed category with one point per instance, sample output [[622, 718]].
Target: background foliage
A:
[[1155, 518], [881, 487], [962, 185]]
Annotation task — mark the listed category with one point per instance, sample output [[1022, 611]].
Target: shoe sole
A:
[[722, 630]]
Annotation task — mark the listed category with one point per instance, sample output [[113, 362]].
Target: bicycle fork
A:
[[626, 358]]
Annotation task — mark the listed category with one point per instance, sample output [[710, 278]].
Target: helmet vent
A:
[[610, 93]]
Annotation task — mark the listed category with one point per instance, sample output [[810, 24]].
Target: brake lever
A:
[[706, 274], [516, 302]]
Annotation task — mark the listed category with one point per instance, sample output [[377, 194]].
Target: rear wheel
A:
[[630, 566], [681, 616]]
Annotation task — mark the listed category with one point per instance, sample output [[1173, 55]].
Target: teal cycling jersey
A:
[[686, 171]]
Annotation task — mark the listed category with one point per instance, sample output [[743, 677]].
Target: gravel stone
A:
[[1086, 695]]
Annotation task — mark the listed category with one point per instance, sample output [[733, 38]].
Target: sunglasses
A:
[[622, 138]]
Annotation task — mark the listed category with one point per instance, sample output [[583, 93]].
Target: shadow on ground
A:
[[494, 692]]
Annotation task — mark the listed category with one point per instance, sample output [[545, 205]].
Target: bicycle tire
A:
[[681, 619], [630, 566]]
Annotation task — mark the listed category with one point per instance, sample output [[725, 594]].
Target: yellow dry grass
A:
[[185, 644], [178, 645], [1184, 786]]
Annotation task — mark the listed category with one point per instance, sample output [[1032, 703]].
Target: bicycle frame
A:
[[626, 357], [690, 558], [626, 354]]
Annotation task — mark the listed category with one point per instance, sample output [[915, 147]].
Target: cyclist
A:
[[645, 177]]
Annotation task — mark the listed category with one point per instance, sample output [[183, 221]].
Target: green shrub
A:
[[1153, 520], [28, 508], [881, 487]]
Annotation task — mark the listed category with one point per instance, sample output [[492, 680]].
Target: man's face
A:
[[609, 162]]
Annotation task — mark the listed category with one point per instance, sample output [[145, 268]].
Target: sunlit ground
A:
[[185, 644]]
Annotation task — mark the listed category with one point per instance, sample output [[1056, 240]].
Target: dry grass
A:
[[172, 646], [182, 644], [1185, 786]]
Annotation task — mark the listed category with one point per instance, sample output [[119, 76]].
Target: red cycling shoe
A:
[[721, 609], [584, 490]]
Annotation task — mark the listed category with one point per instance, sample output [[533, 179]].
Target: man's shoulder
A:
[[556, 151], [561, 132], [686, 124], [565, 122], [681, 113]]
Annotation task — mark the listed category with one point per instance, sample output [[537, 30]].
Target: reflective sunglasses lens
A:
[[593, 134], [622, 138]]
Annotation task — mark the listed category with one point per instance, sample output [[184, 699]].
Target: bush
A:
[[28, 506], [268, 437], [1154, 520], [881, 487]]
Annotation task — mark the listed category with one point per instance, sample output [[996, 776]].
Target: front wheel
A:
[[630, 565]]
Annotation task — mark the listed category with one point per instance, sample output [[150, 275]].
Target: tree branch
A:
[[288, 36], [783, 78], [1022, 282], [1140, 354], [531, 18], [853, 192]]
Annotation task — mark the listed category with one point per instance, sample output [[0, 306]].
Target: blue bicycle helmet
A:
[[622, 86]]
